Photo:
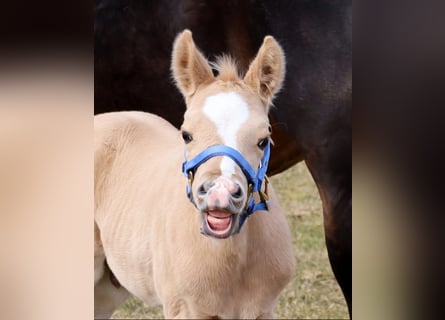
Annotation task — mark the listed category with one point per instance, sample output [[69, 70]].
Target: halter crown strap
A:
[[254, 178]]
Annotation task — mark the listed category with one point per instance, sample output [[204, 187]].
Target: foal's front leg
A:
[[180, 309], [176, 309], [267, 315], [107, 297]]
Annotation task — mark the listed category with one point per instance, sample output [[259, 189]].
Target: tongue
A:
[[219, 220]]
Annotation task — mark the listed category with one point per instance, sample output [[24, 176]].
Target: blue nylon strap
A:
[[254, 177], [220, 150], [251, 209], [263, 168]]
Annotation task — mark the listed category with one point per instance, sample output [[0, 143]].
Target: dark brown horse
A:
[[312, 118]]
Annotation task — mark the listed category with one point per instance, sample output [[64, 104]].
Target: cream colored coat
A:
[[147, 230]]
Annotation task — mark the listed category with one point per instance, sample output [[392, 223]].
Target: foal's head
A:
[[230, 111]]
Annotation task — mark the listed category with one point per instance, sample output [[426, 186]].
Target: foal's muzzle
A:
[[221, 201], [216, 212], [222, 193]]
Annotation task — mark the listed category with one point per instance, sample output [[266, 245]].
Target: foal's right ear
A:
[[266, 72], [190, 68]]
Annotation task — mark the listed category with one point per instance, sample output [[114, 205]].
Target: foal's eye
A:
[[187, 137], [262, 144]]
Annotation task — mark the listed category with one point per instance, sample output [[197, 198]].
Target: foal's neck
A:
[[232, 248]]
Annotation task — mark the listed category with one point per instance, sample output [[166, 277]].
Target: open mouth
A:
[[218, 223]]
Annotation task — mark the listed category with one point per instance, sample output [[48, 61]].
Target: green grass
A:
[[313, 292]]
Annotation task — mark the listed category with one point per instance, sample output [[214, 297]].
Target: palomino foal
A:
[[186, 243]]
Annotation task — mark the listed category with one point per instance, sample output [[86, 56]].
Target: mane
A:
[[227, 68]]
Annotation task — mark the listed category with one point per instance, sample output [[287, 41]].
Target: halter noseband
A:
[[254, 178]]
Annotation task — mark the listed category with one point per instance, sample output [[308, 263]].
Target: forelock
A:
[[227, 68]]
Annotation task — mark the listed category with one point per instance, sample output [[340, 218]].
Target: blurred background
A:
[[46, 165]]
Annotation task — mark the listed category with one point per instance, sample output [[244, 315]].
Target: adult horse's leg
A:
[[331, 171]]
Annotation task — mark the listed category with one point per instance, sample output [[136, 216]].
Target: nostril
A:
[[202, 190], [238, 192], [205, 187]]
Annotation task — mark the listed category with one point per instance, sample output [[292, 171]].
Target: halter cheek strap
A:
[[254, 178]]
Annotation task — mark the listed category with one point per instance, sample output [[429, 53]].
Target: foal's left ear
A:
[[190, 68], [266, 72]]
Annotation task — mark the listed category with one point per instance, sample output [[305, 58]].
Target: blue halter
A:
[[254, 178]]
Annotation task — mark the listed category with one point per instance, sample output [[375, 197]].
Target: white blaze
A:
[[228, 111]]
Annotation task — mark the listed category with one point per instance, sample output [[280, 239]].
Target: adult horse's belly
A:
[[285, 151]]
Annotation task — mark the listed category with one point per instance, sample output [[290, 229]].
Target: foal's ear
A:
[[189, 67], [266, 72]]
